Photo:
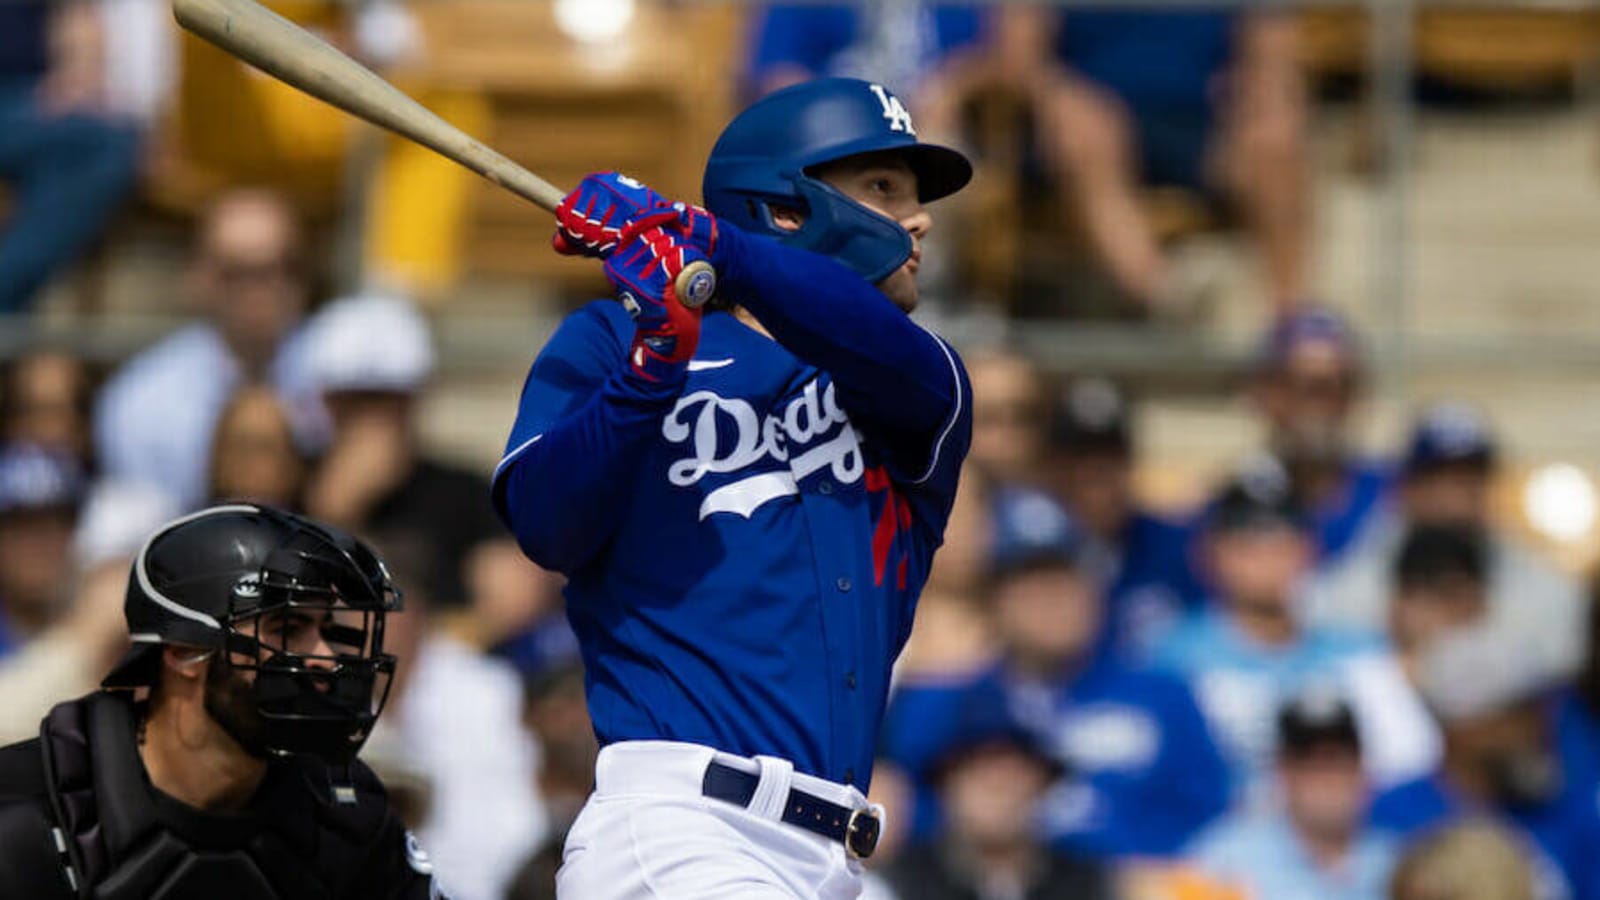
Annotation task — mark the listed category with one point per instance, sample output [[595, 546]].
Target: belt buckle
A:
[[861, 834]]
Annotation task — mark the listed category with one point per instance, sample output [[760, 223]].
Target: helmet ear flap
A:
[[870, 244]]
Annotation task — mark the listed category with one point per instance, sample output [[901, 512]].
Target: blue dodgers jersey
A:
[[1153, 586], [764, 574], [1143, 775]]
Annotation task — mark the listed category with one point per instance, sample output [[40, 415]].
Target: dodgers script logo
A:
[[811, 434]]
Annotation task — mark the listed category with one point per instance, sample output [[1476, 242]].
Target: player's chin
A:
[[901, 287]]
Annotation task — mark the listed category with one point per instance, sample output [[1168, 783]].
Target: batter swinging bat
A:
[[295, 56]]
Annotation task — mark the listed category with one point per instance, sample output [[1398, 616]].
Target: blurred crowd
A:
[[1338, 677]]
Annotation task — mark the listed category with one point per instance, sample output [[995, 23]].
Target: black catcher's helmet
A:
[[299, 604]]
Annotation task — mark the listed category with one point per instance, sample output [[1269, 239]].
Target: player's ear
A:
[[786, 217]]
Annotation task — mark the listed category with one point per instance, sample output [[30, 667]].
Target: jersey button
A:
[[825, 487], [843, 584], [849, 776], [850, 680]]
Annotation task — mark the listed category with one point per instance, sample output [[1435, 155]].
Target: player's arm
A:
[[896, 379], [592, 402]]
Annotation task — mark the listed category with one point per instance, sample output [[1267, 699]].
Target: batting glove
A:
[[590, 220], [644, 269]]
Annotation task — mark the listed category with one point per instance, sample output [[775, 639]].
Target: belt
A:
[[857, 829]]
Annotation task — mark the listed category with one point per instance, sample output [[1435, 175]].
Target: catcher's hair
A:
[[1472, 861]]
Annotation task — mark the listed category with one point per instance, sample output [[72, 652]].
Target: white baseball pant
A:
[[648, 832]]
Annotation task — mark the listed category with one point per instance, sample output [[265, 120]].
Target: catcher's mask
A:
[[294, 607]]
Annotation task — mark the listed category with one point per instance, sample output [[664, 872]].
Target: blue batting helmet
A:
[[767, 153]]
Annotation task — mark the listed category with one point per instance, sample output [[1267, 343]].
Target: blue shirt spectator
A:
[[1563, 832], [1144, 774], [155, 418], [1317, 844], [1262, 856], [1142, 558], [1114, 47], [1246, 654], [1306, 387], [67, 163], [891, 42], [1240, 681], [1501, 759]]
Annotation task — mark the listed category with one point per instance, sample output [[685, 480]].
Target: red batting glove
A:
[[644, 269], [590, 220]]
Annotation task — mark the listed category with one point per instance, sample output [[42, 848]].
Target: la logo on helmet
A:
[[893, 110]]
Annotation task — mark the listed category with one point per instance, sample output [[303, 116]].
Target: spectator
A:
[[371, 357], [1494, 704], [452, 719], [558, 717], [68, 657], [1223, 114], [68, 163], [914, 46], [952, 637], [1318, 847], [1445, 480], [990, 778], [1474, 861], [156, 417], [1007, 417], [39, 496], [1246, 653], [254, 456], [45, 397], [1306, 386], [1143, 559], [1144, 773], [1439, 588], [87, 638]]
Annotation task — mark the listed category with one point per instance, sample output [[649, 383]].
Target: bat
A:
[[297, 57]]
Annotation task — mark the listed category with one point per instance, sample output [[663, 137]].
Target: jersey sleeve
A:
[[582, 427], [901, 384]]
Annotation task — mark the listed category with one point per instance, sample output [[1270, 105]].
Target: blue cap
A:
[[985, 719], [1450, 433], [33, 478], [1032, 530], [1313, 325], [767, 154]]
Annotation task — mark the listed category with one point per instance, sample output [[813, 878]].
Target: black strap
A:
[[800, 809]]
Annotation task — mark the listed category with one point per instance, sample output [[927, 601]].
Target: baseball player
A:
[[258, 646], [746, 502]]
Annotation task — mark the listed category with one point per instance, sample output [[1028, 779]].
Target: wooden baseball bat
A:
[[297, 57]]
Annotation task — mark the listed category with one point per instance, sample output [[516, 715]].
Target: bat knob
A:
[[696, 284]]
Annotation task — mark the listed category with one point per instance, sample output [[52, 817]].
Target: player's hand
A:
[[644, 269], [590, 220]]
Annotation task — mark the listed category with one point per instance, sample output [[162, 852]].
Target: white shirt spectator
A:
[[458, 721], [154, 420], [1531, 602]]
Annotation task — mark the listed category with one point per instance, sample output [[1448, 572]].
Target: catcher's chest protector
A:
[[126, 841]]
